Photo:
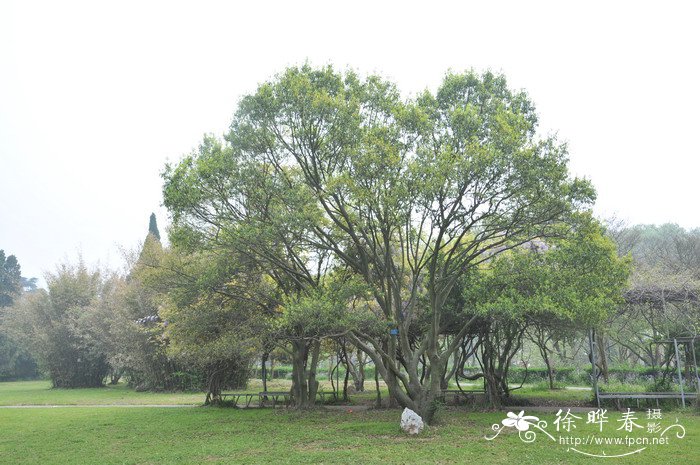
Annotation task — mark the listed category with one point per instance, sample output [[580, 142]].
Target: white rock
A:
[[411, 422]]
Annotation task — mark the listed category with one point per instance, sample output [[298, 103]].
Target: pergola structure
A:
[[682, 395]]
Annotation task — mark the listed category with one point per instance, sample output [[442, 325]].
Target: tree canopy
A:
[[326, 170]]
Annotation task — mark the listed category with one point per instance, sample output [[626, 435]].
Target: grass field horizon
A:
[[40, 392]]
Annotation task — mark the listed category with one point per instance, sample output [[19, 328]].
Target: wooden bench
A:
[[236, 397], [646, 395], [617, 396], [275, 396], [465, 393], [323, 394], [462, 391]]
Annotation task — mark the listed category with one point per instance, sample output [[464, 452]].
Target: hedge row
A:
[[574, 375], [516, 374]]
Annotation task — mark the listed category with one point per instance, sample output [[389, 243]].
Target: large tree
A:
[[408, 195]]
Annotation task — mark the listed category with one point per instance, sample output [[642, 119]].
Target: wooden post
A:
[[678, 366], [697, 376]]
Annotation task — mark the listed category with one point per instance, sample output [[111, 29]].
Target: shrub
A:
[[67, 327]]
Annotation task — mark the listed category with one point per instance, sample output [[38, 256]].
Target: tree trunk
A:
[[404, 385], [357, 370], [602, 357], [333, 376], [313, 383], [544, 352], [263, 369], [397, 358], [345, 385], [550, 370], [360, 380], [299, 391], [378, 402], [449, 374], [115, 376], [433, 395], [214, 385]]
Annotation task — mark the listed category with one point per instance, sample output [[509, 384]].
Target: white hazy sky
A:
[[96, 96]]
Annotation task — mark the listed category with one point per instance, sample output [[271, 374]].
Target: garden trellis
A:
[[682, 395]]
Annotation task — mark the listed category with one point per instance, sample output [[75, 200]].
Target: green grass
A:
[[211, 435], [41, 393], [201, 435], [540, 394]]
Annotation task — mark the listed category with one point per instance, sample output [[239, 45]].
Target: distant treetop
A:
[[10, 279], [153, 227]]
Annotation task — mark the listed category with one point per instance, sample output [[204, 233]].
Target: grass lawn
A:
[[214, 435], [539, 394], [41, 393], [115, 435]]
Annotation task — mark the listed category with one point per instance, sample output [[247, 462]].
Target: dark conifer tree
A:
[[153, 227], [10, 279]]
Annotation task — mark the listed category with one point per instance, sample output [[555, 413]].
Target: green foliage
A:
[[15, 360], [29, 284], [325, 171], [213, 310], [332, 309], [67, 326], [138, 351], [575, 280], [10, 279], [547, 290]]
